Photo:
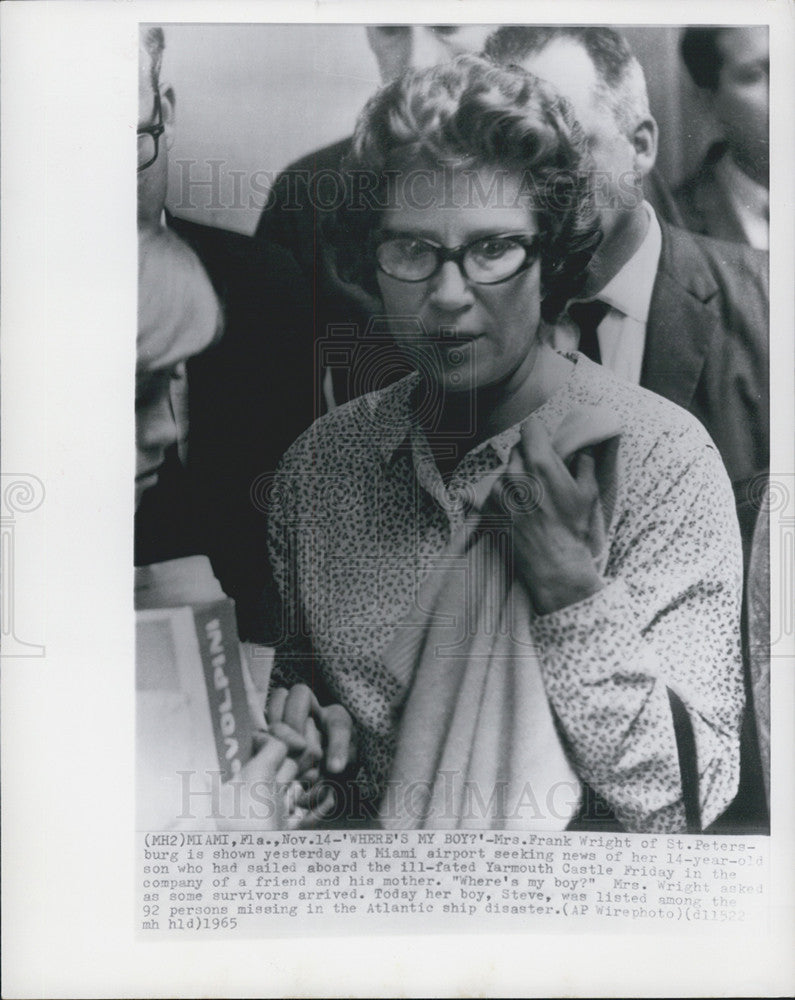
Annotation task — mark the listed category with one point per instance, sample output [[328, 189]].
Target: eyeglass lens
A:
[[485, 261]]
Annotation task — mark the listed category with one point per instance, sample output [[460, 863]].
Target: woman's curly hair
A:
[[471, 113]]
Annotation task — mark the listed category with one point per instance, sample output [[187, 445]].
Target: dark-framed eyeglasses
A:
[[149, 138], [488, 260]]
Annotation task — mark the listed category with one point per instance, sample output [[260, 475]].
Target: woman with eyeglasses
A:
[[518, 575]]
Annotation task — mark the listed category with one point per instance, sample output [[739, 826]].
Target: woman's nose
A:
[[451, 291]]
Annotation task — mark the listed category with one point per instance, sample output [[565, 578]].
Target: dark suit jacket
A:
[[359, 356], [294, 211], [661, 199], [249, 397], [707, 345], [703, 203], [707, 349]]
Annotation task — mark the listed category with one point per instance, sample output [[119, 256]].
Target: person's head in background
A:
[[155, 112], [596, 71], [398, 47], [732, 68], [178, 313]]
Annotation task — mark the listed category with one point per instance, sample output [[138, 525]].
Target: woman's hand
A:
[[321, 740], [556, 533], [327, 732], [261, 796]]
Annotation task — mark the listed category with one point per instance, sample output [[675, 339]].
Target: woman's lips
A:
[[459, 337], [447, 341]]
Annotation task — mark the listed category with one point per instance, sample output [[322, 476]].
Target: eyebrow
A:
[[476, 234]]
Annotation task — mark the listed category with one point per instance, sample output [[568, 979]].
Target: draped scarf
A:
[[478, 745]]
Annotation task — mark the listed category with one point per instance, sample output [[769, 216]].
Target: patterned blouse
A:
[[360, 512]]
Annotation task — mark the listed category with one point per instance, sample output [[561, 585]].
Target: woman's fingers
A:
[[310, 732], [312, 754], [585, 476], [259, 738], [272, 792], [295, 742], [325, 804], [264, 765], [536, 481], [309, 818], [309, 777], [541, 459], [565, 494], [338, 727], [554, 533], [289, 714], [274, 711], [292, 796], [314, 741], [253, 800], [300, 704], [287, 771], [309, 807]]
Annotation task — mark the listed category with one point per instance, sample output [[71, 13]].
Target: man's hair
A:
[[702, 56], [621, 84], [470, 113], [153, 42]]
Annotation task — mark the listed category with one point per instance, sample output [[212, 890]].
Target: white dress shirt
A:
[[622, 332]]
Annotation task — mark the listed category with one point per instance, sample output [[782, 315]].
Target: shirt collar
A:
[[504, 442], [630, 290], [391, 413], [395, 412], [743, 190]]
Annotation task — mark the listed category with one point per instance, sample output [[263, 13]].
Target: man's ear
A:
[[167, 109], [644, 139]]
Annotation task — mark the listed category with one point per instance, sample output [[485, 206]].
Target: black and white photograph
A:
[[411, 423], [443, 500]]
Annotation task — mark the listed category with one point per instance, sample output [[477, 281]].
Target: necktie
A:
[[588, 316]]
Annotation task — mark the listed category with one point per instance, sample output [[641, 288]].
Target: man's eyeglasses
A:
[[488, 260], [149, 138]]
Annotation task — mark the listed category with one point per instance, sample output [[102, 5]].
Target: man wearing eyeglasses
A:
[[213, 414], [179, 314]]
